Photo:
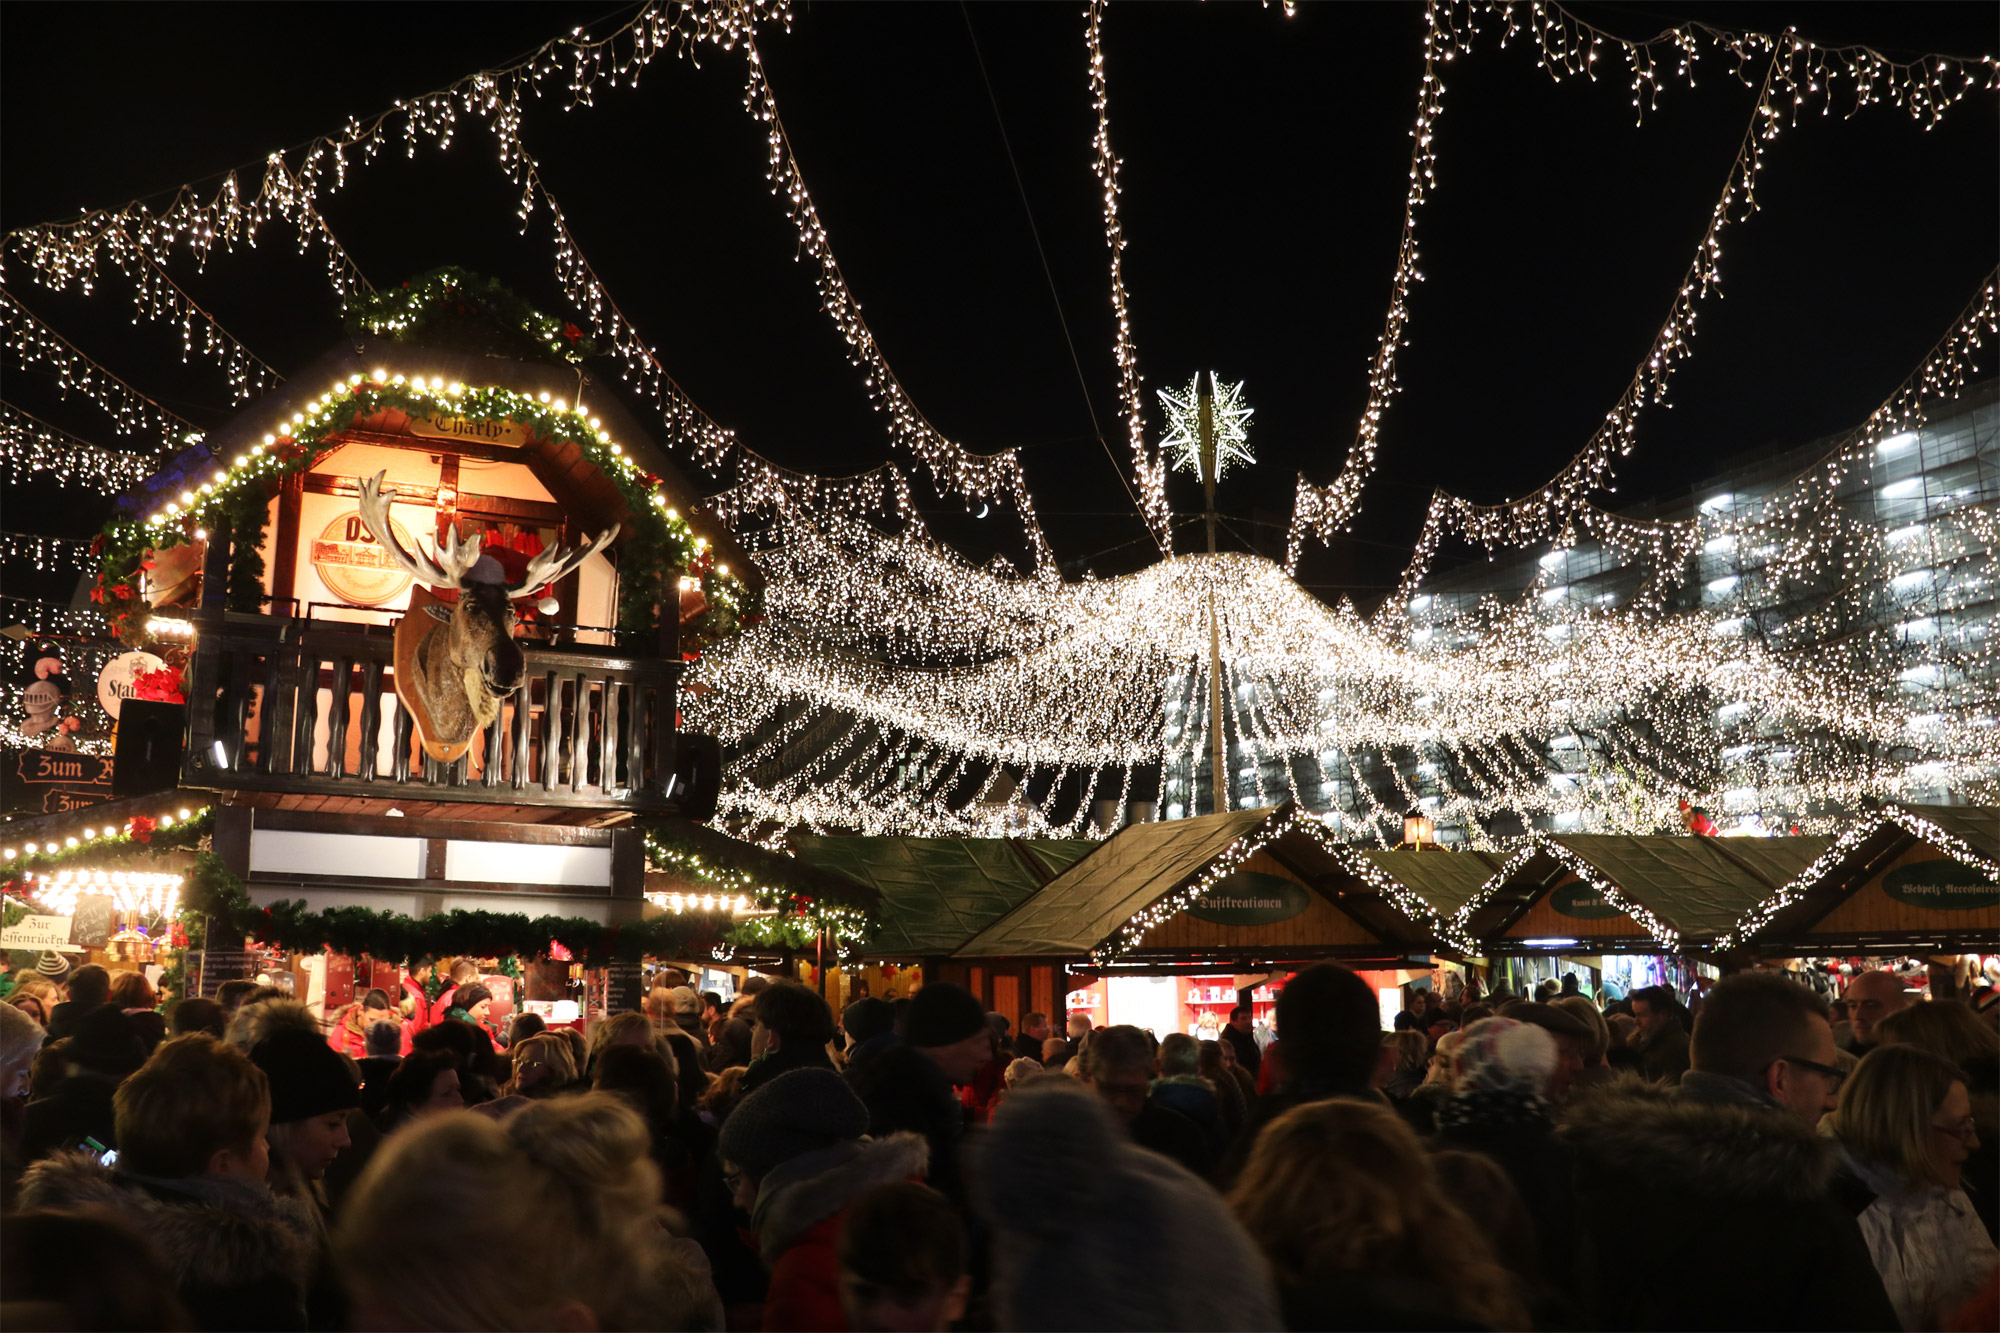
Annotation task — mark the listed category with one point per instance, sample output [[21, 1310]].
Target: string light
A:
[[33, 449], [44, 552], [1325, 510], [1147, 470], [37, 346]]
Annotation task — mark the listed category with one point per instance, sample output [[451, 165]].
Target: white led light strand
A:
[[32, 449], [38, 347], [1147, 470]]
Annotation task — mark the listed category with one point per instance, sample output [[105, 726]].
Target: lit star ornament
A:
[[1232, 438]]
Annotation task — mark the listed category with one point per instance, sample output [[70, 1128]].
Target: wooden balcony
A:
[[305, 708]]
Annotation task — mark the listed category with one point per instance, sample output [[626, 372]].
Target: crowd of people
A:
[[1493, 1162]]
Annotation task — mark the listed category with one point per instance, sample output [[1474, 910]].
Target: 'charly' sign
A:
[[1941, 886], [1248, 898]]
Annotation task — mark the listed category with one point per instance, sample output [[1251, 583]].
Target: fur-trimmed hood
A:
[[1654, 1140], [800, 1194], [213, 1232]]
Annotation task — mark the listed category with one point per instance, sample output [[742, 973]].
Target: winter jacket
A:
[[1929, 1245], [729, 1045], [241, 1256], [1737, 1198], [76, 1108], [1028, 1048], [1194, 1099], [348, 1039], [1091, 1232], [65, 1016], [1515, 1131], [799, 1210], [904, 1090], [1173, 1135]]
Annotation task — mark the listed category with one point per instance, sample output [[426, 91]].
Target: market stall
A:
[[1624, 911], [1912, 880], [1168, 925]]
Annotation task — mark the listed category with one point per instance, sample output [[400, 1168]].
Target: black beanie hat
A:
[[943, 1015], [867, 1017], [307, 1077], [797, 1112]]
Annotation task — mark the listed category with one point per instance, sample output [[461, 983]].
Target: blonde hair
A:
[[615, 1029], [39, 989], [552, 1049], [1942, 1027], [1412, 1050], [1885, 1108], [20, 1038], [195, 1097], [1600, 1031], [1344, 1187], [568, 1180]]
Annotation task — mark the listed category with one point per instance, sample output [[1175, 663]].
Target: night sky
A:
[[1264, 181]]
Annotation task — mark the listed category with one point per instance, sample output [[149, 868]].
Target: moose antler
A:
[[551, 565], [457, 558]]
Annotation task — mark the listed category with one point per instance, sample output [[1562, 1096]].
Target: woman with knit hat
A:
[[311, 1094], [795, 1153], [1501, 1108], [909, 1085]]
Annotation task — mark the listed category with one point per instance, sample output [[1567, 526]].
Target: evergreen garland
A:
[[456, 308]]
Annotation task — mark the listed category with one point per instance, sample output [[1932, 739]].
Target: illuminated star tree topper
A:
[[1231, 419]]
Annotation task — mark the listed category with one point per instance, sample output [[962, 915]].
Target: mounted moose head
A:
[[455, 663]]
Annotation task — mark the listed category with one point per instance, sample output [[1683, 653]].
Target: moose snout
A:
[[503, 669]]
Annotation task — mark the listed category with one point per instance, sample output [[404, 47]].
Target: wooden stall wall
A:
[[1542, 921], [1323, 925], [1869, 910]]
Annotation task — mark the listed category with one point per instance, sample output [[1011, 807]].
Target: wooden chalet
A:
[[1908, 879], [1613, 894], [306, 748]]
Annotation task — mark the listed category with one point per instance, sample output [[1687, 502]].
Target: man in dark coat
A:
[[1118, 1064], [1241, 1036], [89, 990], [1744, 1218], [790, 1027], [1662, 1042], [1034, 1032], [908, 1085]]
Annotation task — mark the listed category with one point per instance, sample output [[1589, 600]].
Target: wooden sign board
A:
[[505, 434], [96, 916], [54, 781], [37, 932]]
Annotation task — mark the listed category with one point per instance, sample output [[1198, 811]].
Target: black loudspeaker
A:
[[148, 754], [697, 775]]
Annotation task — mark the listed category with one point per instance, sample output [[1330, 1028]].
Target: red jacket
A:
[[798, 1220], [805, 1283]]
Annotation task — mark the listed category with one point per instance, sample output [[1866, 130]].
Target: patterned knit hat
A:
[[795, 1113]]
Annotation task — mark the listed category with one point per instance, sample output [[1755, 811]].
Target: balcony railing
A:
[[301, 706]]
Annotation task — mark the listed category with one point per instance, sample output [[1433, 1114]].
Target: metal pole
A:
[[1218, 776]]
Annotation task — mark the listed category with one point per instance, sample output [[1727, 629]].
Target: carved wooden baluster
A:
[[493, 762], [524, 711], [338, 704], [579, 735], [406, 727], [551, 738], [306, 723], [607, 715], [281, 705], [267, 739], [627, 703], [371, 717]]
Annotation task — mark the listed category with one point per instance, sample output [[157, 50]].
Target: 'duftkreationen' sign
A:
[[1941, 886], [1248, 898]]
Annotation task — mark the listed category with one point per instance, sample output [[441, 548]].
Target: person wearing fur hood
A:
[[1744, 1217], [190, 1176], [796, 1153], [1092, 1231]]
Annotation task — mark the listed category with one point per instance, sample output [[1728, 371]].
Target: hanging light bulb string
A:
[[38, 347]]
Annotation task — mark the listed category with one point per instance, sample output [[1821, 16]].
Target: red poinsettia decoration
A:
[[573, 333], [162, 686], [141, 827]]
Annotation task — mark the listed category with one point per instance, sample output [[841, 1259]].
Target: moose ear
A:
[[440, 613]]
